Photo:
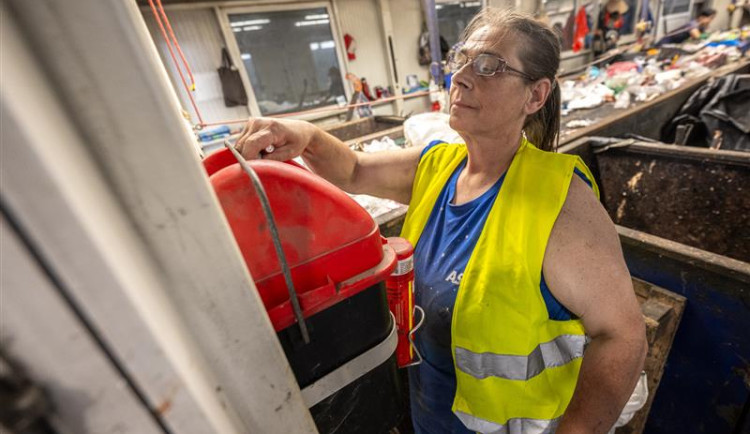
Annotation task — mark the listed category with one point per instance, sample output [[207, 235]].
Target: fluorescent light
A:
[[250, 22], [314, 46], [250, 28], [472, 4], [236, 29], [245, 56], [310, 23], [316, 17], [327, 44]]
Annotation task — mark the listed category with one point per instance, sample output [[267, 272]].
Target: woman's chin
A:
[[458, 121]]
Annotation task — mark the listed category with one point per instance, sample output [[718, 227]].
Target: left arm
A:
[[586, 272]]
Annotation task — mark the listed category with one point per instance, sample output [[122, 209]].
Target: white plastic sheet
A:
[[421, 129], [636, 402]]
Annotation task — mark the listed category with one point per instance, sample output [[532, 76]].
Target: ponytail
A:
[[542, 127]]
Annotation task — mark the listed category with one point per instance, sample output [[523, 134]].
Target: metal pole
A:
[[126, 215], [432, 27]]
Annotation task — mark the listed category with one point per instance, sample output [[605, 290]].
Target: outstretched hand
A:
[[274, 139]]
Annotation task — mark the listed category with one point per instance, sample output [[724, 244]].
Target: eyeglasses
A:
[[484, 64]]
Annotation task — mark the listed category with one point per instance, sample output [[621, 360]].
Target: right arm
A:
[[695, 33], [387, 174]]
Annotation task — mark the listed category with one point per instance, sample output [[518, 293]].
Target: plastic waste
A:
[[384, 144], [421, 129], [636, 402], [622, 101]]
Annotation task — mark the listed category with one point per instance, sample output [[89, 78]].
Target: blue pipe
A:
[[432, 28]]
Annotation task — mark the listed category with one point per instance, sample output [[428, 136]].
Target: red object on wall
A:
[[351, 46], [400, 290], [332, 245], [582, 29]]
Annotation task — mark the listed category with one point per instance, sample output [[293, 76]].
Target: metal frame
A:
[[111, 195], [386, 23], [482, 5], [59, 353], [223, 13]]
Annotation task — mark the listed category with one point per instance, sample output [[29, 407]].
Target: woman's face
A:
[[482, 106]]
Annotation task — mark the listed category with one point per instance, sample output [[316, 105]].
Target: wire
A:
[[164, 25], [174, 59], [321, 109], [276, 239], [176, 44]]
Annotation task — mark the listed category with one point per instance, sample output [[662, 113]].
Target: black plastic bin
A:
[[372, 404]]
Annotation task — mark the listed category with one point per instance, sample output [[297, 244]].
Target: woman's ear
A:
[[539, 91]]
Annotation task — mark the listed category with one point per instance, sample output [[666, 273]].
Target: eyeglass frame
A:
[[502, 68]]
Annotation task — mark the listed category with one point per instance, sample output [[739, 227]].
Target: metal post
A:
[[101, 174], [432, 27]]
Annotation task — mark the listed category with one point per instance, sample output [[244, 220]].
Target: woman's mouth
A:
[[461, 104]]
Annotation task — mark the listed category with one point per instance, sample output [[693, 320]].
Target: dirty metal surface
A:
[[662, 311], [363, 127], [701, 203], [705, 387]]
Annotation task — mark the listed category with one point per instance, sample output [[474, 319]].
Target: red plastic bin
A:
[[332, 245]]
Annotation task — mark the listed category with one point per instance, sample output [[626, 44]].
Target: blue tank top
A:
[[440, 259]]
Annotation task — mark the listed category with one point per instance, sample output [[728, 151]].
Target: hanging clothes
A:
[[582, 30], [568, 31]]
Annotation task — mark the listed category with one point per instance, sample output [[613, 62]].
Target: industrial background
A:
[[142, 291]]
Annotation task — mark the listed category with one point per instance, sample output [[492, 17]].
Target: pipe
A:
[[432, 27]]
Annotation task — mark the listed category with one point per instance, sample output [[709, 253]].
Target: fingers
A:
[[285, 138], [282, 153], [257, 135]]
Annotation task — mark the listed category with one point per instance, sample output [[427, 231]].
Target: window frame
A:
[[222, 14]]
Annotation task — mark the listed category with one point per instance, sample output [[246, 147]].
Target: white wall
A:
[[407, 20], [361, 19], [199, 35], [723, 20]]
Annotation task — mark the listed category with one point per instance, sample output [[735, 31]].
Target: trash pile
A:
[[374, 205], [645, 76]]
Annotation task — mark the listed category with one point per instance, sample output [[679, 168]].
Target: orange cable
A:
[[323, 109], [176, 44], [174, 59]]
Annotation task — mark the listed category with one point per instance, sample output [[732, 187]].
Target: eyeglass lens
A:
[[483, 64]]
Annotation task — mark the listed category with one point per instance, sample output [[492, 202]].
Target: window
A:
[[673, 7], [454, 16], [290, 58]]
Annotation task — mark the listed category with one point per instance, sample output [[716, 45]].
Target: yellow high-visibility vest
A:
[[516, 369]]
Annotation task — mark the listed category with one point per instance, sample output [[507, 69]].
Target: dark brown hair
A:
[[539, 52]]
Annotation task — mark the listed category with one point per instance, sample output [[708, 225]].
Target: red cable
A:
[[174, 59], [325, 109], [176, 44], [192, 79]]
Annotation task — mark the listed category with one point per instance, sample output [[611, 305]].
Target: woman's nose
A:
[[464, 77]]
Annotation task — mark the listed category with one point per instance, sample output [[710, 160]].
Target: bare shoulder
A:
[[583, 264]]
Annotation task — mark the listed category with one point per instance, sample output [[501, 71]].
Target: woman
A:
[[615, 18], [694, 29], [515, 280]]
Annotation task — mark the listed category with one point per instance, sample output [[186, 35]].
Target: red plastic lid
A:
[[402, 246], [332, 245]]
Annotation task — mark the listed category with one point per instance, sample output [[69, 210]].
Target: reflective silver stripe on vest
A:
[[514, 426], [556, 352]]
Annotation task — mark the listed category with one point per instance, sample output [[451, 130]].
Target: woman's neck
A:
[[488, 159]]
